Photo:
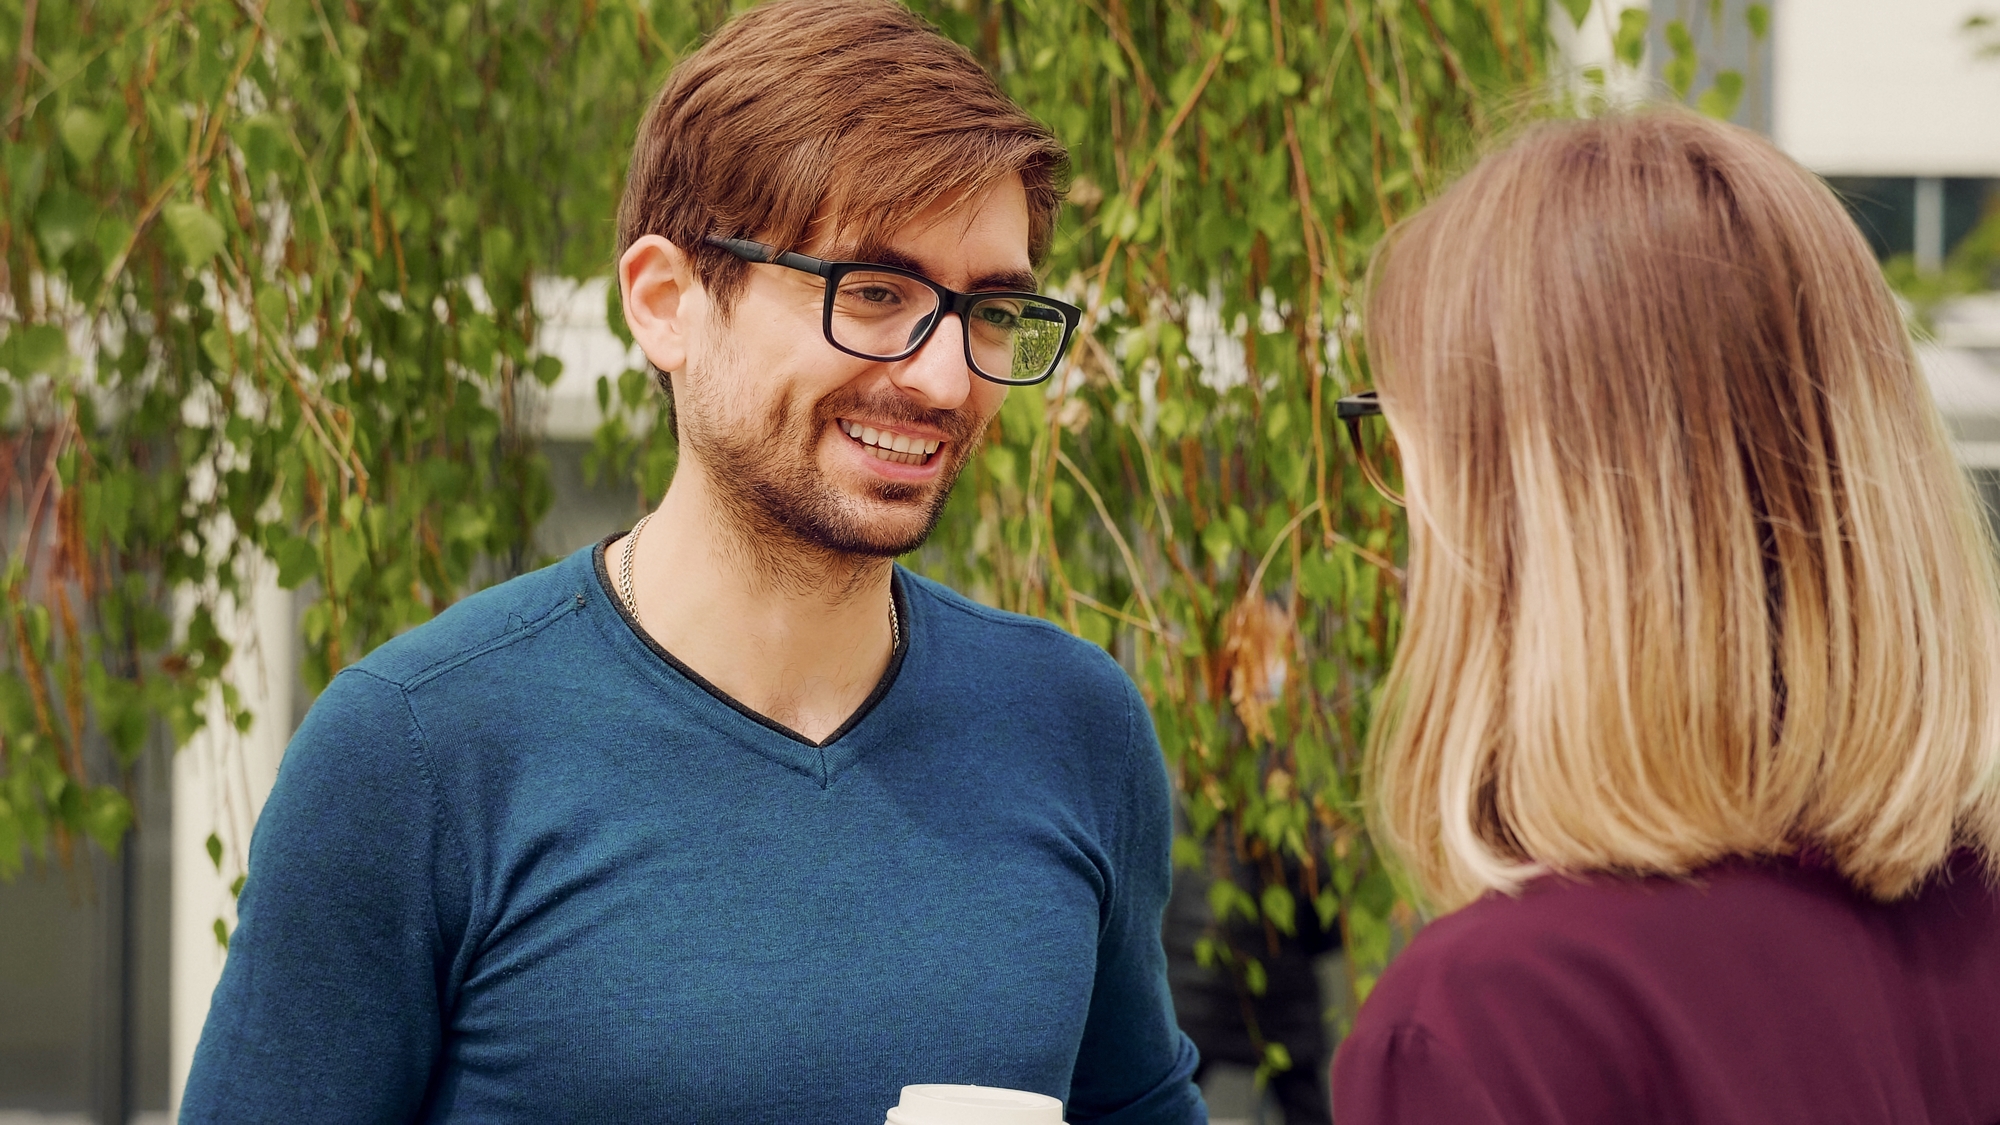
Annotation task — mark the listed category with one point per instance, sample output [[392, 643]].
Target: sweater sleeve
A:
[[1403, 1076], [1135, 1065], [330, 1008]]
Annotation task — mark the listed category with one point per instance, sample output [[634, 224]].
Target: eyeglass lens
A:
[[882, 315]]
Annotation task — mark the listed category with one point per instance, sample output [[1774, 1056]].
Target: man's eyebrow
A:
[[1019, 281]]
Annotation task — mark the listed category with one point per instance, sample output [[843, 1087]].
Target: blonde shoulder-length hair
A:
[[1693, 573]]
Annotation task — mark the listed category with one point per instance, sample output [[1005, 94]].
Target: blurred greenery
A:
[[266, 270], [1973, 265]]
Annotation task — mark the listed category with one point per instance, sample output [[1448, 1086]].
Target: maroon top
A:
[[1760, 994]]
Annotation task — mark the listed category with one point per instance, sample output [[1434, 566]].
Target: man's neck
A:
[[801, 636]]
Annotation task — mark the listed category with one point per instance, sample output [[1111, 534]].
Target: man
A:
[[728, 819]]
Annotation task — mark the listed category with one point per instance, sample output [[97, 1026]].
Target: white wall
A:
[[1885, 87], [573, 330], [1589, 45], [221, 778]]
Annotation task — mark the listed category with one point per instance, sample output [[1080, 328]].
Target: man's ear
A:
[[663, 299]]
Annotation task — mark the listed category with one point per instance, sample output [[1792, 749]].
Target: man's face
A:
[[802, 441]]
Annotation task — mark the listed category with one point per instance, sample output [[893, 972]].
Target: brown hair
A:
[[809, 117], [1693, 573]]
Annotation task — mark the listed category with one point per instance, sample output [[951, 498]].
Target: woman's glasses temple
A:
[[1351, 409]]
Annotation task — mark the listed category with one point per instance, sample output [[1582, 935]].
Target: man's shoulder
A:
[[960, 620], [487, 622]]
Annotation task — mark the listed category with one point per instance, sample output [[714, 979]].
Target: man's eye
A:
[[999, 318], [873, 294]]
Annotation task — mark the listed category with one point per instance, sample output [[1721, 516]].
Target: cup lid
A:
[[978, 1105]]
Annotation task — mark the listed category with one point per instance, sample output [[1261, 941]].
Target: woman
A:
[[1695, 723]]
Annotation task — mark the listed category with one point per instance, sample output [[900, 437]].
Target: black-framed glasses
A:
[[1373, 445], [884, 313]]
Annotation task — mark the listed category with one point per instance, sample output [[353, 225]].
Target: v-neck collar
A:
[[601, 566]]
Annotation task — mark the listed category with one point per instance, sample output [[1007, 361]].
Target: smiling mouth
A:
[[890, 447]]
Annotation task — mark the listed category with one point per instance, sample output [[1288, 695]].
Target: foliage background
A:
[[266, 277]]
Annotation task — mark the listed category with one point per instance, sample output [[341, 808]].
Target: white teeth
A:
[[890, 446]]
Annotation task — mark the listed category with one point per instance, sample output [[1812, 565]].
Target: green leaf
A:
[[298, 559], [497, 249], [272, 307], [1327, 906], [614, 313], [13, 841], [1255, 977], [83, 133], [1577, 10], [1205, 953], [106, 816], [1679, 39], [63, 222], [222, 933], [1720, 100], [1629, 43], [632, 387], [1187, 854], [197, 235], [215, 344], [547, 370], [1280, 909], [1319, 576], [1216, 541], [1758, 16], [113, 232], [17, 706], [1680, 70], [266, 146], [288, 18], [236, 886], [1227, 900], [350, 553], [38, 349], [214, 846]]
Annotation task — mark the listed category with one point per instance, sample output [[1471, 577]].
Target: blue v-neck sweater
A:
[[521, 866]]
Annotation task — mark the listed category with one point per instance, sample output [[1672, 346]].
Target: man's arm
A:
[[1135, 1065], [329, 1007]]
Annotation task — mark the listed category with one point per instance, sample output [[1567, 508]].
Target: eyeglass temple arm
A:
[[1368, 468], [1362, 405], [759, 252]]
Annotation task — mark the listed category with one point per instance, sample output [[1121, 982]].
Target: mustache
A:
[[958, 426]]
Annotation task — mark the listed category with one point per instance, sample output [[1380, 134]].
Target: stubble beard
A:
[[795, 527]]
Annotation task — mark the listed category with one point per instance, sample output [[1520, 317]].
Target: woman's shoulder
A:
[[1616, 991]]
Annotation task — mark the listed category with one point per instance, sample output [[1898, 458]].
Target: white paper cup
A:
[[974, 1105]]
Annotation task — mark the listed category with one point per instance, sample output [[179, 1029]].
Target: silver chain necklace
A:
[[632, 604]]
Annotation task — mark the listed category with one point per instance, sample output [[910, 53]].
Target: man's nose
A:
[[937, 374]]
